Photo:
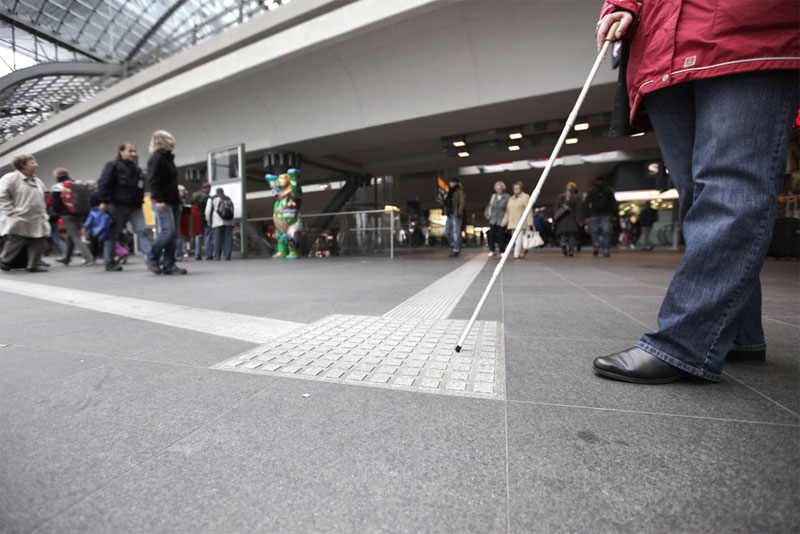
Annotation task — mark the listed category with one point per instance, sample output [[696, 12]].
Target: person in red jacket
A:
[[718, 82]]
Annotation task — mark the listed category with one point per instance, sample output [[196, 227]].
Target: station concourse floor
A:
[[322, 396]]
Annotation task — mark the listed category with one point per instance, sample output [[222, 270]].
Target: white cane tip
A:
[[458, 348]]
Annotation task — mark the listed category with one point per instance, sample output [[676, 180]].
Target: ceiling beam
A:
[[20, 22], [67, 68], [160, 22]]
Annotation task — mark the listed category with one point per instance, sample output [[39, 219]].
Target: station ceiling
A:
[[128, 35]]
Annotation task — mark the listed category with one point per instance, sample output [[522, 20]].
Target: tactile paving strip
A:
[[409, 354]]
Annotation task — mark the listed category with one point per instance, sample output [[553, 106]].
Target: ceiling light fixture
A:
[[638, 134], [571, 140], [513, 148], [581, 126], [463, 154], [459, 143], [515, 135]]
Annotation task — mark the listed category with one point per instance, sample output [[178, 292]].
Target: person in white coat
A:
[[221, 228], [24, 222]]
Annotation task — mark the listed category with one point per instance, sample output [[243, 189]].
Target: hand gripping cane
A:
[[535, 194]]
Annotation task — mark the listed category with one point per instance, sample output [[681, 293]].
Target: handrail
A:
[[305, 216]]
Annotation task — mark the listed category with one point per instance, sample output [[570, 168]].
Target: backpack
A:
[[603, 200], [225, 208], [75, 197]]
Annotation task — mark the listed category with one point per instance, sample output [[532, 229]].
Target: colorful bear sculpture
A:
[[286, 213]]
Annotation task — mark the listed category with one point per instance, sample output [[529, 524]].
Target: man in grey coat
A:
[[24, 221]]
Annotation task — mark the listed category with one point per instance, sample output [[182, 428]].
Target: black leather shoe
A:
[[36, 269], [746, 356], [638, 366]]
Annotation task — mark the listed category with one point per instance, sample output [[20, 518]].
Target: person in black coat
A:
[[569, 210], [120, 191], [603, 208], [162, 176], [646, 219]]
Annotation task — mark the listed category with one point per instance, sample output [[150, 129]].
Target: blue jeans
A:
[[121, 215], [202, 243], [724, 140], [568, 240], [598, 224], [169, 221], [223, 242], [452, 231]]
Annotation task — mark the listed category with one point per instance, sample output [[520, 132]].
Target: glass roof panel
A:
[[139, 32]]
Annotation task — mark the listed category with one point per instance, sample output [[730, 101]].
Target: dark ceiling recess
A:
[[516, 138]]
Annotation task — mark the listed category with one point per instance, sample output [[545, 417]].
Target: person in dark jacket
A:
[[202, 242], [646, 219], [73, 222], [602, 208], [120, 191], [569, 210], [718, 82], [454, 205], [163, 178]]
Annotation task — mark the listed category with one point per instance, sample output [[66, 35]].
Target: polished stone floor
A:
[[131, 402]]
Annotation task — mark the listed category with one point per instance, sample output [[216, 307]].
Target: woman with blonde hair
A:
[[495, 212], [163, 178], [569, 210], [513, 217]]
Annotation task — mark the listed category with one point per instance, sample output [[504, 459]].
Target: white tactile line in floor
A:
[[439, 299], [405, 354], [231, 325]]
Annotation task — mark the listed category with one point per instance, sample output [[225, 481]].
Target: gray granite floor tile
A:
[[64, 439], [25, 319], [575, 470], [363, 286], [778, 377], [340, 460], [782, 334], [24, 368], [560, 371], [567, 318], [152, 342]]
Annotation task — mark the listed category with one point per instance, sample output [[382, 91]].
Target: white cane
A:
[[535, 195]]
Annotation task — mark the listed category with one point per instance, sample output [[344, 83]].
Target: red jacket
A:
[[675, 41]]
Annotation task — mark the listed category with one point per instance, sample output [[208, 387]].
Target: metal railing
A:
[[346, 233]]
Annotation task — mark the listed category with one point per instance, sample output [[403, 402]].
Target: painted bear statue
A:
[[286, 213]]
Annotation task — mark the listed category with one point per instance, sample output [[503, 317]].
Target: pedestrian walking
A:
[[603, 207], [70, 201], [24, 223], [454, 206], [202, 241], [163, 178], [495, 212], [569, 210], [646, 219], [219, 216], [120, 191], [512, 218]]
